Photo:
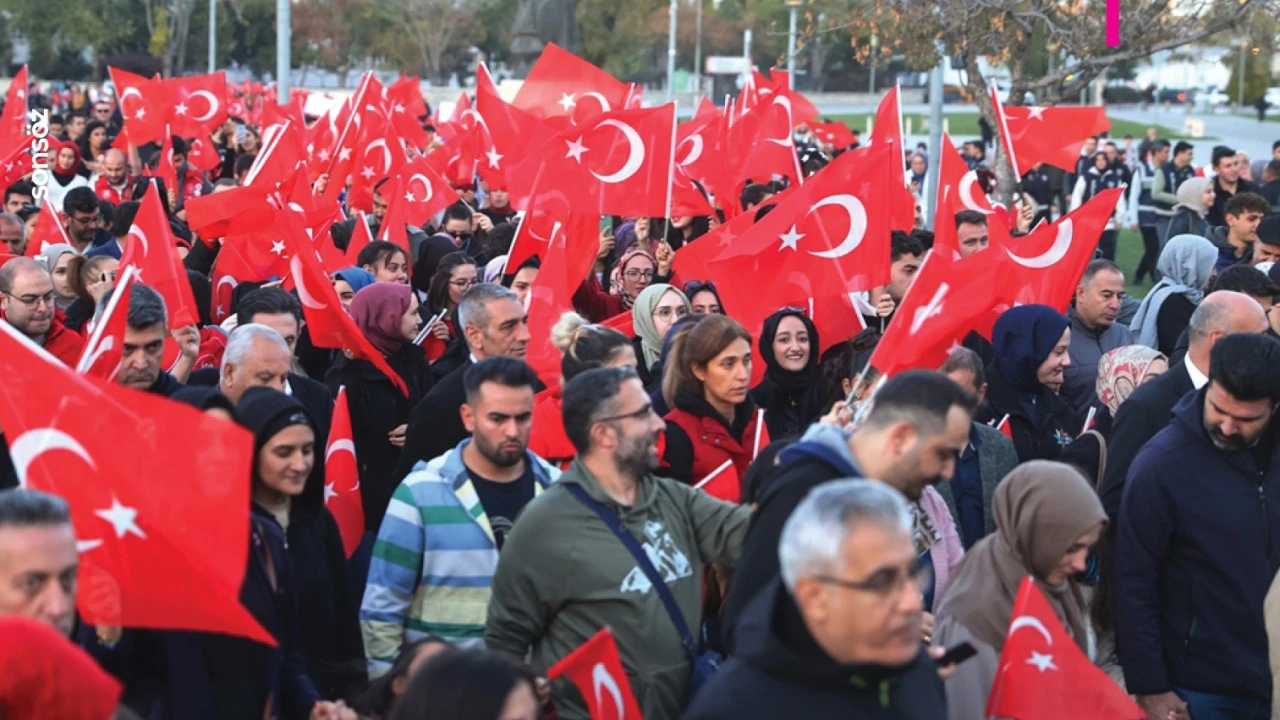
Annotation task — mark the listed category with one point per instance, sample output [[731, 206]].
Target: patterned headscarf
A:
[[615, 278], [1121, 371]]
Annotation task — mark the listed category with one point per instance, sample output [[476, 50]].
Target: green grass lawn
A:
[[965, 124], [1128, 253]]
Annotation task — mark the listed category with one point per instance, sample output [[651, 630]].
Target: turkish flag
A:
[[1005, 428], [166, 560], [142, 106], [405, 107], [213, 215], [197, 103], [166, 169], [722, 483], [13, 121], [458, 159], [150, 248], [823, 241], [573, 240], [836, 134], [321, 139], [342, 487], [361, 236], [779, 84], [348, 139], [698, 160], [15, 154], [1050, 135], [509, 132], [45, 676], [535, 229], [947, 299], [105, 348], [1044, 675], [772, 152], [623, 322], [958, 190], [425, 192], [596, 668], [233, 267], [202, 155], [282, 153], [394, 227], [618, 164], [381, 155], [1050, 261], [330, 325], [48, 231], [887, 127], [561, 84]]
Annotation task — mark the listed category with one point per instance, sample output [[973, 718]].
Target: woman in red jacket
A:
[[583, 347], [707, 382]]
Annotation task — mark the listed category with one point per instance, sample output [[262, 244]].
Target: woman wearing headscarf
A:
[[387, 314], [56, 258], [654, 312], [66, 171], [1186, 264], [1120, 372], [791, 392], [327, 619], [1195, 197], [350, 281], [1031, 352], [634, 272], [1047, 518]]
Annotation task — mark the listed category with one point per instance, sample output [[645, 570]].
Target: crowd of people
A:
[[827, 531]]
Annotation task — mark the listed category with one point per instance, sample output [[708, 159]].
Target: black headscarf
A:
[[791, 399], [204, 397], [265, 412]]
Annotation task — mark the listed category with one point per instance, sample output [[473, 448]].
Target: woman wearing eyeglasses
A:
[[656, 309], [455, 275], [1047, 518], [713, 421], [635, 271]]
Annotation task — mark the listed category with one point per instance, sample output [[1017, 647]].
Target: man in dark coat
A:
[[921, 413], [494, 323], [834, 638], [146, 328], [1148, 410], [1197, 549]]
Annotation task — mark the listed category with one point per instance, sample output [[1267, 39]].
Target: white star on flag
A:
[[1041, 662], [344, 154], [323, 154], [494, 157], [123, 519], [180, 109], [142, 112], [410, 197], [329, 493], [576, 148], [277, 247], [566, 101], [1036, 113], [399, 108], [367, 172], [790, 239]]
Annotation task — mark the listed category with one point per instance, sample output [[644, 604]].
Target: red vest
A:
[[713, 445]]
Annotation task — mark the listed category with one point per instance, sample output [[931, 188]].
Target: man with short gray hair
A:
[[1094, 331], [146, 328], [13, 233], [38, 561], [255, 356], [839, 634], [492, 323]]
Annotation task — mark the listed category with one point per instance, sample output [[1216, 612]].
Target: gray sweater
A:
[[1088, 345]]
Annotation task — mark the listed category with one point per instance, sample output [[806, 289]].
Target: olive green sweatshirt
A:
[[563, 575]]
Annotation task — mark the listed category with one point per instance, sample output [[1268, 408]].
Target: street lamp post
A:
[[1240, 77], [791, 43], [213, 35], [697, 49], [284, 38], [875, 43], [671, 54]]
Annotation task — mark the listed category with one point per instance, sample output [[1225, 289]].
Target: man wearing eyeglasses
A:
[[564, 573], [849, 597], [83, 218], [27, 303]]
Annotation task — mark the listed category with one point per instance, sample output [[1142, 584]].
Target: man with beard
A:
[[911, 439], [27, 303], [584, 554], [439, 542], [1197, 546]]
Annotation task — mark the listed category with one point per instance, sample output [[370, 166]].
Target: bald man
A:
[[113, 182], [1148, 410], [27, 301]]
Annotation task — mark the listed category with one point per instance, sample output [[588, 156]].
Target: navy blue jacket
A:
[[1196, 554]]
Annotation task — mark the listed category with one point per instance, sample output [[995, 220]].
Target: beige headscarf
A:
[[1041, 509]]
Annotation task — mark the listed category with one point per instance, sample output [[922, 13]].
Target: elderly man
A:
[[38, 561], [565, 572], [256, 356], [27, 301], [850, 596], [1094, 331]]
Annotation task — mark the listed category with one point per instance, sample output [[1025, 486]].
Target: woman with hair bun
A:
[[583, 347]]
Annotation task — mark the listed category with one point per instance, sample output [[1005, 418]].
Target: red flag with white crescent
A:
[[150, 248], [105, 348], [48, 231], [14, 119], [342, 496], [596, 668]]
